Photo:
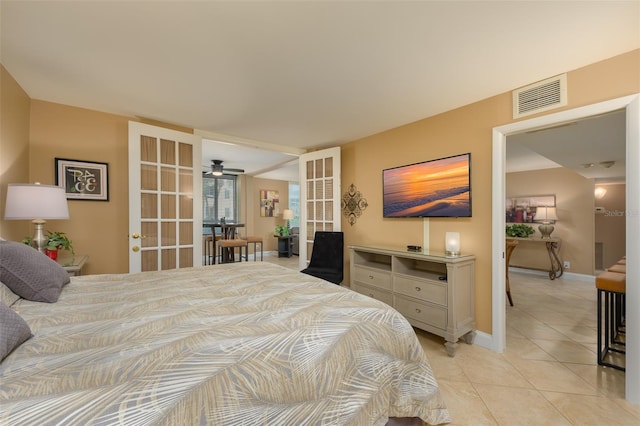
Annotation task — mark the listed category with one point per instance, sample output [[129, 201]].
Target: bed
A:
[[233, 344]]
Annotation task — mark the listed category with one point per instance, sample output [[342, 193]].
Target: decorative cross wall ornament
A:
[[353, 204]]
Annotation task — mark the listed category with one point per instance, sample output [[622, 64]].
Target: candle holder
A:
[[452, 244]]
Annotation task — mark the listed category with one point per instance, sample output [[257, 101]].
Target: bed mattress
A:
[[234, 344]]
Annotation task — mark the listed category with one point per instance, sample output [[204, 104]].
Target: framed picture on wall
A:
[[269, 202], [522, 209], [83, 180]]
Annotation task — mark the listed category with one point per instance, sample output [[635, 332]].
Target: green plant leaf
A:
[[519, 230]]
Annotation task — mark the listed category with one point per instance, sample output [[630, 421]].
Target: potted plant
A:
[[519, 230], [57, 241], [281, 230]]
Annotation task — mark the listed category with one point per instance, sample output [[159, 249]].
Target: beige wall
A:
[[610, 225], [100, 229], [97, 228], [467, 129], [264, 226], [575, 225], [14, 149]]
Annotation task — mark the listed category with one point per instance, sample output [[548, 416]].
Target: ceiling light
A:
[[216, 168], [587, 165], [607, 164], [599, 192]]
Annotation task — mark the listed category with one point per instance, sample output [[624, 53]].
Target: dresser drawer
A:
[[373, 277], [421, 289], [427, 313], [374, 293]]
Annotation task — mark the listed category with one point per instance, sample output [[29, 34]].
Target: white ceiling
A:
[[586, 146], [297, 75]]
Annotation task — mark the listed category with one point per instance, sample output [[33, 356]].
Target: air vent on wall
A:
[[541, 96]]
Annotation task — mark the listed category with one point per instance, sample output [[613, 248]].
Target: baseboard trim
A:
[[484, 340], [590, 279]]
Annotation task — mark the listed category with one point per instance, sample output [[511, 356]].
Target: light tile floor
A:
[[548, 374]]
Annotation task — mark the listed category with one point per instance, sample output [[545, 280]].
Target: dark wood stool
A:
[[227, 250], [611, 288], [207, 246], [255, 241]]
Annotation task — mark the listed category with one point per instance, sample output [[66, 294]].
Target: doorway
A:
[[632, 106]]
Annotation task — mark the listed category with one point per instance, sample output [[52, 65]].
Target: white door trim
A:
[[632, 105], [135, 130], [334, 154]]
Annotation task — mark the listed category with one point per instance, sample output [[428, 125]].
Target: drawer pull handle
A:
[[418, 289], [370, 277], [418, 310]]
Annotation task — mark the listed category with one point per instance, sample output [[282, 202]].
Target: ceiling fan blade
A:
[[233, 170]]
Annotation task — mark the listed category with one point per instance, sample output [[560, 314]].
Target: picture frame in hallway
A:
[[522, 209], [83, 180]]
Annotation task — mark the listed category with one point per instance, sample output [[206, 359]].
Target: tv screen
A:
[[435, 188]]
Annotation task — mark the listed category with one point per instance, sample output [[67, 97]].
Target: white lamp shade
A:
[[287, 214], [27, 201], [452, 242], [545, 214]]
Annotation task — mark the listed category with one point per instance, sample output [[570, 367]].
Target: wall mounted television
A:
[[434, 188]]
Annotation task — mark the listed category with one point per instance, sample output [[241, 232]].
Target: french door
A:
[[319, 197], [165, 196]]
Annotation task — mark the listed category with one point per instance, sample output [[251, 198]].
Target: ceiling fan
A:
[[218, 170]]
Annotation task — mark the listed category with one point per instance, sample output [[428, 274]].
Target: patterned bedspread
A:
[[234, 344]]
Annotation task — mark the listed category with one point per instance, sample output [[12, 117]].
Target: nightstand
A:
[[72, 263], [284, 245]]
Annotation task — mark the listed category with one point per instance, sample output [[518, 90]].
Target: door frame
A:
[[632, 106], [334, 153], [135, 129]]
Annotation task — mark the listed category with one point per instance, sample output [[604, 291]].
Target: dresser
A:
[[433, 291]]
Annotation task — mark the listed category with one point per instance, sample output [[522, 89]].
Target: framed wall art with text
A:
[[83, 180]]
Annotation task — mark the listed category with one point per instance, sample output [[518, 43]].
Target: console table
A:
[[434, 292], [552, 245]]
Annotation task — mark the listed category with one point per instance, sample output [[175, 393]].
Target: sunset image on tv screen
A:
[[438, 188]]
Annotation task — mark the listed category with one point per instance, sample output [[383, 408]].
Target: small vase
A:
[[52, 254]]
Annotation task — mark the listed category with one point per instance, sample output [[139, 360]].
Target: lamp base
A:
[[39, 240], [450, 253], [545, 230]]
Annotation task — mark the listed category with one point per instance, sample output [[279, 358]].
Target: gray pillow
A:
[[13, 330], [6, 295], [29, 273]]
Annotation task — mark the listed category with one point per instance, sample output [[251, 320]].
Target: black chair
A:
[[327, 257]]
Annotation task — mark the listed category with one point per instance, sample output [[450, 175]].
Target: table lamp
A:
[[36, 202], [287, 215], [545, 215]]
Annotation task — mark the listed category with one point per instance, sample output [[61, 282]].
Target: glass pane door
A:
[[165, 224]]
